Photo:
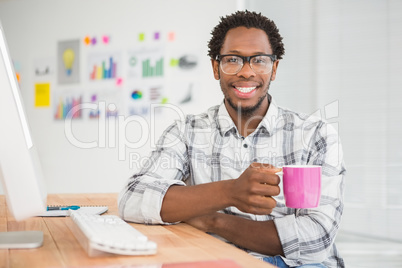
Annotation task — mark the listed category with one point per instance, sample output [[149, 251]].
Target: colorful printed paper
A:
[[42, 95], [68, 57]]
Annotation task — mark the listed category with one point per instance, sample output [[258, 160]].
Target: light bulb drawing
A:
[[68, 59]]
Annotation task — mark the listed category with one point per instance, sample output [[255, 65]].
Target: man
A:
[[220, 175]]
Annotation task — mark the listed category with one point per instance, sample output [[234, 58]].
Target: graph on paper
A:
[[146, 64], [108, 103], [103, 66], [68, 107], [152, 70]]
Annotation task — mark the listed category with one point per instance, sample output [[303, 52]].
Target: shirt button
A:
[[245, 145]]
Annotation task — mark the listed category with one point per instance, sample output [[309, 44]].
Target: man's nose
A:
[[246, 71]]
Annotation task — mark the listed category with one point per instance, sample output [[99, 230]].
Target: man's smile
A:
[[245, 89]]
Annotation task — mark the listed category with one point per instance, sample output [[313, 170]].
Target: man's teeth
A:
[[245, 89]]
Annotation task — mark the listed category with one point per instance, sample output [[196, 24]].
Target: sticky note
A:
[[171, 36], [174, 62], [105, 39], [156, 36], [164, 100], [87, 40], [119, 81], [42, 95], [141, 37], [17, 65]]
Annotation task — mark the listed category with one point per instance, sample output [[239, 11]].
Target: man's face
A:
[[245, 91]]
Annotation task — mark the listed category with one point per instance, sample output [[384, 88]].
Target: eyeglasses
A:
[[232, 64]]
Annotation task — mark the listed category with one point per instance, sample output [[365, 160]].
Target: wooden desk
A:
[[176, 243]]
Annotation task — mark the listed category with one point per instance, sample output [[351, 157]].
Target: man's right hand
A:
[[252, 192]]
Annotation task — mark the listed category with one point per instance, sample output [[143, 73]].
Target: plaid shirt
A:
[[208, 147]]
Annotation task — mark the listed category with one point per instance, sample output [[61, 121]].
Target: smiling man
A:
[[222, 163]]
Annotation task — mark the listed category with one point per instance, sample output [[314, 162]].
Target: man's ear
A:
[[274, 68], [215, 68]]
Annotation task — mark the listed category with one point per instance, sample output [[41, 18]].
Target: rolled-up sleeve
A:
[[307, 235], [141, 199]]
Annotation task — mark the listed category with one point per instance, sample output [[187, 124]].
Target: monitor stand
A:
[[21, 239]]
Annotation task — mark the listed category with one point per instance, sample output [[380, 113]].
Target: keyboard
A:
[[109, 234]]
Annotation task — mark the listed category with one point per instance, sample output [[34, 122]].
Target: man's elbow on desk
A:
[[141, 200]]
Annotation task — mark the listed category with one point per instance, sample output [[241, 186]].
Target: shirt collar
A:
[[225, 122], [270, 119]]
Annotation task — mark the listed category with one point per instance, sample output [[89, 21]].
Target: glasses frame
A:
[[245, 59]]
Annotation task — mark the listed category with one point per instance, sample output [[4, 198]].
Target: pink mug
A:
[[301, 186]]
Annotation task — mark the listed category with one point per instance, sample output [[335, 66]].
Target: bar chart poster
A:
[[146, 64], [68, 105], [153, 70], [108, 103], [104, 66]]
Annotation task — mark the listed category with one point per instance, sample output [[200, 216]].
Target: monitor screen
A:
[[20, 171]]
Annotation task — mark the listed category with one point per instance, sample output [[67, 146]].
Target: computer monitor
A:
[[20, 171]]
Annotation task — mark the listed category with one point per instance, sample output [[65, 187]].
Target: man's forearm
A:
[[184, 202], [258, 236], [251, 193]]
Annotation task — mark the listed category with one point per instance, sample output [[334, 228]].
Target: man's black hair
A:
[[247, 19]]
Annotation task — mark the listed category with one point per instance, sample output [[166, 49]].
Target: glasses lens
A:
[[261, 64], [231, 64]]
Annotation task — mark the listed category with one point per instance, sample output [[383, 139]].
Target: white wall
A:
[[345, 56], [33, 29]]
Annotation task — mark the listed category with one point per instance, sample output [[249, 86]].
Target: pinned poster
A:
[[44, 67], [67, 104], [140, 96], [184, 62], [146, 63], [68, 57], [183, 93], [42, 95], [108, 103], [104, 66]]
